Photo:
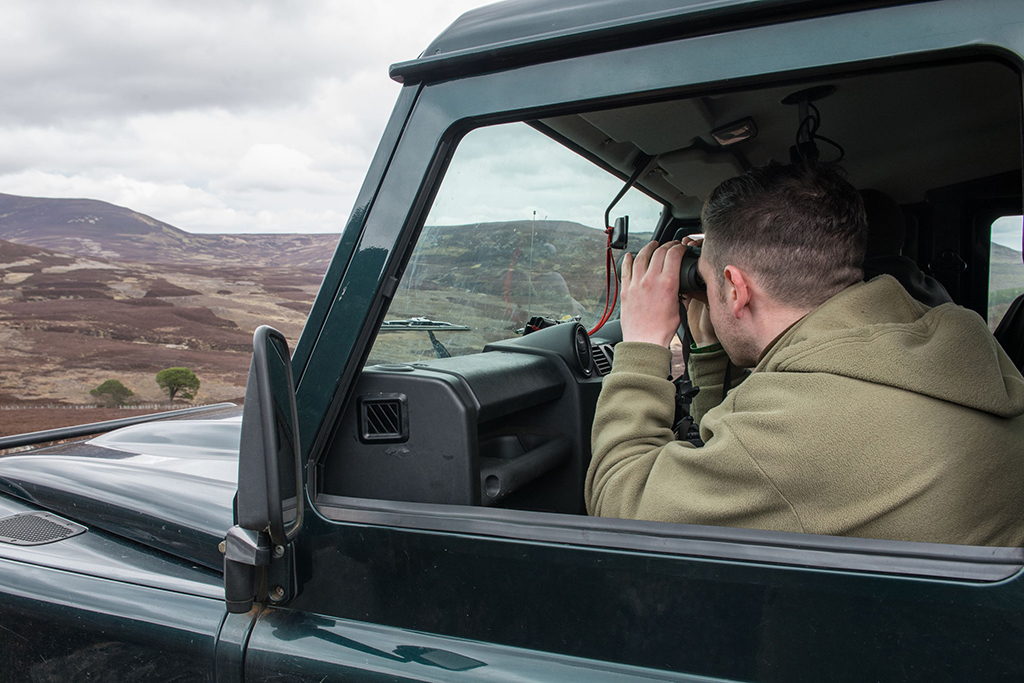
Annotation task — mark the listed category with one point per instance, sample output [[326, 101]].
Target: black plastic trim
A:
[[619, 34], [32, 438], [931, 560]]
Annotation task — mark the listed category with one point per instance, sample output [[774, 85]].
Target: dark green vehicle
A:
[[419, 514]]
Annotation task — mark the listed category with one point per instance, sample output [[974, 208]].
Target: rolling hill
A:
[[88, 227]]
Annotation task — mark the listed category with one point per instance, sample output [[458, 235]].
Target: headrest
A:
[[887, 227]]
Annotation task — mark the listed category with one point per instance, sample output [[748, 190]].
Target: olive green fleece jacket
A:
[[872, 416]]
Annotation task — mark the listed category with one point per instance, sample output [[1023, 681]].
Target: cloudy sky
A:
[[224, 116], [252, 116]]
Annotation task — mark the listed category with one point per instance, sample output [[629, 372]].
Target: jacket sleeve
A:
[[639, 470]]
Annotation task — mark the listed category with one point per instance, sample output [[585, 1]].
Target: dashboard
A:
[[508, 427]]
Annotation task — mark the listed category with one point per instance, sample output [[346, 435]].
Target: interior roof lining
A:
[[887, 120]]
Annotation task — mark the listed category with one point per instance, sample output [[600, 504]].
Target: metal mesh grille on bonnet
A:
[[36, 528]]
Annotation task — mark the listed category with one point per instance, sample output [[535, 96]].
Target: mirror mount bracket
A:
[[244, 551], [247, 547]]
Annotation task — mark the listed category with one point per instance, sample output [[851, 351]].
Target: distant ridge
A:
[[89, 227], [94, 227], [1001, 254], [98, 229]]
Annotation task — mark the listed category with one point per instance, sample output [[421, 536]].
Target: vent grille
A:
[[603, 356], [37, 528], [383, 418]]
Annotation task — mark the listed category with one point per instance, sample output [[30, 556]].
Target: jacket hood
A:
[[875, 332]]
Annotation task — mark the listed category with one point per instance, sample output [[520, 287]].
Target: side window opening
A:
[[515, 231], [1006, 268]]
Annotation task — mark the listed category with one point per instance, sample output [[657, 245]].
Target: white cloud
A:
[[276, 168], [228, 116], [486, 183]]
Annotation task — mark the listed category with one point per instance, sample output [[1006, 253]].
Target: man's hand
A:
[[650, 293], [698, 319], [698, 316]]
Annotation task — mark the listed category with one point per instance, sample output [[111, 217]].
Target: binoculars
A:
[[689, 277]]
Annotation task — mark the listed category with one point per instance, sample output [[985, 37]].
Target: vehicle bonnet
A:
[[167, 484]]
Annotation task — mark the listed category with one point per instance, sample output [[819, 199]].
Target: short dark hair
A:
[[800, 228]]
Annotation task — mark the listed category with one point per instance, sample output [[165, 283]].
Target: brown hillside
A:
[[88, 227], [68, 322]]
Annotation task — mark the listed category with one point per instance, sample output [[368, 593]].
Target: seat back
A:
[[887, 233]]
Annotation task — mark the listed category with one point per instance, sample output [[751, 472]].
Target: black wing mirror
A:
[[268, 505], [269, 471]]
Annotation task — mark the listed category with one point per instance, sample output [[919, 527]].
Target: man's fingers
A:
[[658, 258], [674, 256], [626, 270], [643, 258]]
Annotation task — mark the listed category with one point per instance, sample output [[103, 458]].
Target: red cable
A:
[[609, 298]]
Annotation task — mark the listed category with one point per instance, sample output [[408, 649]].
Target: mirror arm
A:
[[641, 165]]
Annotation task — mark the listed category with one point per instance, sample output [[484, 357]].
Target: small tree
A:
[[178, 382], [113, 393]]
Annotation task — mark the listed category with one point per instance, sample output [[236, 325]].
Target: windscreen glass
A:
[[516, 231]]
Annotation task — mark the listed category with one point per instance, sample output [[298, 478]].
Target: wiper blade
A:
[[420, 323]]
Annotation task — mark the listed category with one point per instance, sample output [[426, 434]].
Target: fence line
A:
[[135, 406]]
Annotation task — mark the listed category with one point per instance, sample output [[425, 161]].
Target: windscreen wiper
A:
[[420, 323]]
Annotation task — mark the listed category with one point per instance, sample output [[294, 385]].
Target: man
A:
[[865, 413]]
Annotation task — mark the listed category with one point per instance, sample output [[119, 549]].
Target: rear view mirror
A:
[[269, 469], [620, 233]]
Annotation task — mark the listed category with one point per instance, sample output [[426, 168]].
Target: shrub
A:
[[113, 393]]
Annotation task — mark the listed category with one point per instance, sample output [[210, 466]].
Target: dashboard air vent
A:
[[583, 348], [383, 418], [37, 528], [603, 355]]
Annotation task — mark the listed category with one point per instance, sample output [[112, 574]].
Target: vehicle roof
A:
[[517, 32]]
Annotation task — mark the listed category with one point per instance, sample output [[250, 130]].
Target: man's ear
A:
[[737, 290]]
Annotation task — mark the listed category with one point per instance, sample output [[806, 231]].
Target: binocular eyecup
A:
[[689, 277]]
